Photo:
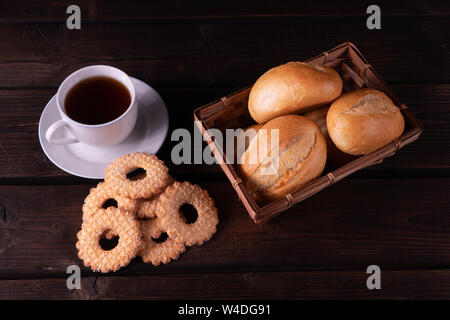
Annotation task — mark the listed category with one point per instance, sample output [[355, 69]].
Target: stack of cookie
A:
[[138, 211]]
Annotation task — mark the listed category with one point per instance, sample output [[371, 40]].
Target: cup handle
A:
[[53, 128]]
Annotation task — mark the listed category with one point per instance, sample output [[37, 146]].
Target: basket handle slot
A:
[[353, 75]]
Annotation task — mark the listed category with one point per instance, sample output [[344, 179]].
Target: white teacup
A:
[[104, 134]]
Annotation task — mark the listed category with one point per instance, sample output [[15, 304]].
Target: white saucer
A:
[[90, 162]]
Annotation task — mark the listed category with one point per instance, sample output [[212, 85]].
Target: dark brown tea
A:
[[97, 100]]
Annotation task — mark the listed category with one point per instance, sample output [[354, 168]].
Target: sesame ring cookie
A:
[[171, 220], [147, 209], [155, 179], [119, 222], [99, 196], [154, 251]]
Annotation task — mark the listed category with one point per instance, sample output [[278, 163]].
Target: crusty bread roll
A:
[[334, 156], [245, 137], [293, 87], [301, 157], [319, 116], [249, 132], [363, 121]]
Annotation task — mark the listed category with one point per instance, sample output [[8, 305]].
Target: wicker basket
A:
[[232, 112]]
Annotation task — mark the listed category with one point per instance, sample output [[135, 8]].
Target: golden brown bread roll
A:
[[363, 121], [245, 137], [250, 132], [334, 156], [300, 158], [292, 88]]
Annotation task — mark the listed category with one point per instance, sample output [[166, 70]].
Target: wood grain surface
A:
[[395, 215], [27, 11], [341, 226], [42, 55], [404, 284], [21, 109]]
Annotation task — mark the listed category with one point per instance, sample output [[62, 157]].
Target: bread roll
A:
[[249, 132], [334, 156], [363, 121], [319, 116], [245, 136], [293, 87], [300, 158]]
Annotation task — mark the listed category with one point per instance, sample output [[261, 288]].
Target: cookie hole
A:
[[163, 237], [189, 213], [108, 244], [110, 203], [137, 174]]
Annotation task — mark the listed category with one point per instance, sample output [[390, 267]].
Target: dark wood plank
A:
[[21, 155], [399, 284], [217, 52], [356, 223], [55, 11]]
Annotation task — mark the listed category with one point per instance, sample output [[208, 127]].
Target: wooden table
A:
[[394, 215]]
